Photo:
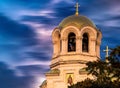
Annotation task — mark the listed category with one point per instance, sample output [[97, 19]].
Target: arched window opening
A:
[[60, 45], [85, 42], [71, 42]]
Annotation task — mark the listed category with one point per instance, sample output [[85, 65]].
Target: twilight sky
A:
[[25, 35]]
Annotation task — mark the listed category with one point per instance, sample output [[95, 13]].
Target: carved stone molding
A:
[[78, 38], [93, 39], [54, 42], [67, 62], [64, 39]]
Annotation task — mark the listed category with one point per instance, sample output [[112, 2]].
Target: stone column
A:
[[54, 48], [98, 48], [64, 46], [79, 44], [92, 45]]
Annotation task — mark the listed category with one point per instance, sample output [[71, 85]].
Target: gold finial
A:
[[107, 52], [77, 8]]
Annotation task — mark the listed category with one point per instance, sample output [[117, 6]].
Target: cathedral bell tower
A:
[[76, 41]]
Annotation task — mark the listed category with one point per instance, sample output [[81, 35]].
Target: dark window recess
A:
[[71, 42], [85, 42]]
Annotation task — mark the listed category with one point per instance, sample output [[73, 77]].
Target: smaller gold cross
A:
[[107, 51]]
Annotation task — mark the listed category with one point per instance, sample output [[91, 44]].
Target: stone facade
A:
[[67, 64]]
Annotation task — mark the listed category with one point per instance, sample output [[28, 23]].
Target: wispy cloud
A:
[[25, 34]]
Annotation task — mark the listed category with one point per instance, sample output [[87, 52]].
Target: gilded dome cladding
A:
[[76, 20]]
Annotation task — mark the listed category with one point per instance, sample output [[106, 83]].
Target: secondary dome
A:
[[76, 20]]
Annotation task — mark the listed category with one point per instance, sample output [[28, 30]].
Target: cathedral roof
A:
[[44, 83], [76, 20], [53, 72]]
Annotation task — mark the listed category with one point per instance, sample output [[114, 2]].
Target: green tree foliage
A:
[[88, 83], [106, 73], [114, 61]]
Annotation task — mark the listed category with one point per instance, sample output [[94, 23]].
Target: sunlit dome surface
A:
[[76, 20]]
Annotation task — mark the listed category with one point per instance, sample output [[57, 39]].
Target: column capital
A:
[[64, 39], [78, 38], [55, 41], [98, 42], [93, 39]]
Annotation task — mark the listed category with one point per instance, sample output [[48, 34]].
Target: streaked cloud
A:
[[9, 79], [25, 35]]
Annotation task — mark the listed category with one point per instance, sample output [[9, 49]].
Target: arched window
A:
[[71, 42], [85, 42]]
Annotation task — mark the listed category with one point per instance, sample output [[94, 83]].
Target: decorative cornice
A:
[[74, 53], [68, 62], [53, 72]]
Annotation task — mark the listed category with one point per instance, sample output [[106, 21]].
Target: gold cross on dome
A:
[[77, 8], [107, 51]]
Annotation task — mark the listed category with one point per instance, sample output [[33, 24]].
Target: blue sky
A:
[[25, 35]]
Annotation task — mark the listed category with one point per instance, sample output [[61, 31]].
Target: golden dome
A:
[[76, 20]]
